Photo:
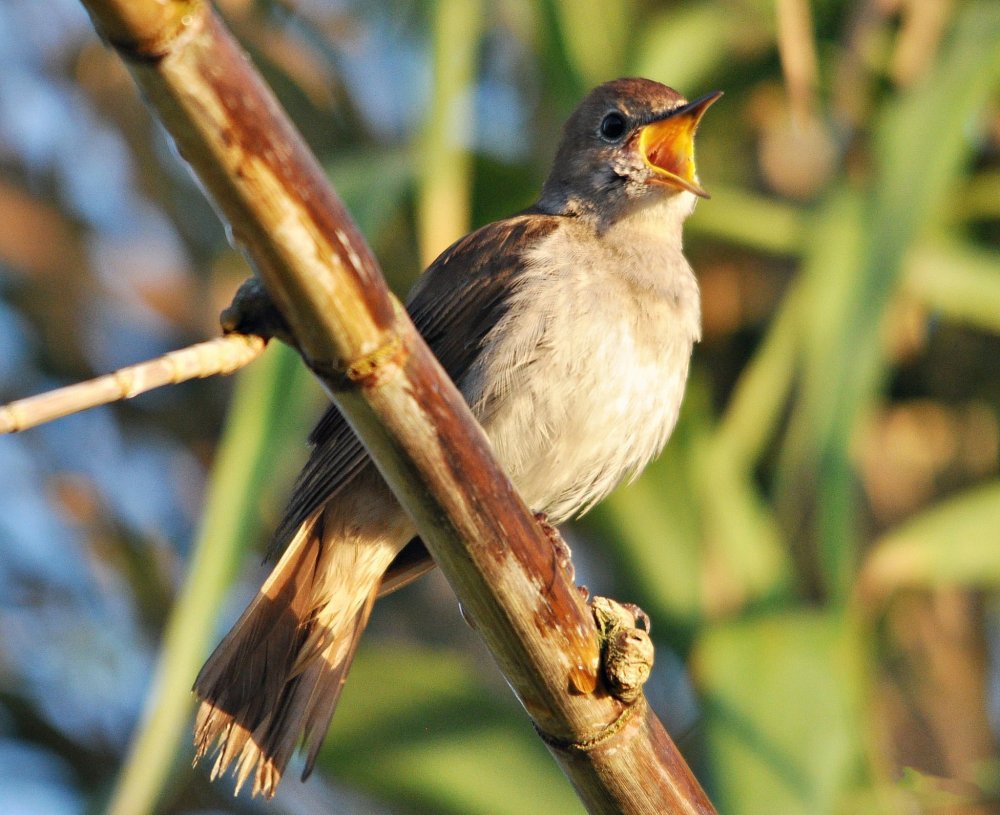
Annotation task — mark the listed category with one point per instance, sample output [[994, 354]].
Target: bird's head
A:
[[629, 142]]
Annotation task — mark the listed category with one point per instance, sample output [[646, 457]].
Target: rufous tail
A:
[[275, 679]]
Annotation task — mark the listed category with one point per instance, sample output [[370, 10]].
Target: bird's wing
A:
[[453, 305]]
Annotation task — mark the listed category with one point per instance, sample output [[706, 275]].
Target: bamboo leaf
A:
[[747, 560], [920, 146], [748, 219], [595, 36], [445, 163], [686, 44], [654, 527]]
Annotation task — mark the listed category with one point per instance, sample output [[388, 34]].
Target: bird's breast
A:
[[579, 384]]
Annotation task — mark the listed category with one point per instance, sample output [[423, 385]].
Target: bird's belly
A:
[[588, 411]]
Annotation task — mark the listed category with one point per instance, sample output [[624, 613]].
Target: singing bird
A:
[[568, 329]]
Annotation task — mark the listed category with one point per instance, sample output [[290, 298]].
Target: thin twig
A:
[[221, 356]]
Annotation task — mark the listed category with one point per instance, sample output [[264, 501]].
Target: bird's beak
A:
[[667, 145]]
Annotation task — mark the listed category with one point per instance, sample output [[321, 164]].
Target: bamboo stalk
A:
[[414, 422], [223, 355]]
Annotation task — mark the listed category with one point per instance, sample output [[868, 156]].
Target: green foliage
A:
[[410, 742], [952, 543], [781, 695]]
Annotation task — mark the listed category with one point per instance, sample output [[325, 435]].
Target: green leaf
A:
[[595, 36], [958, 282], [921, 146], [686, 44], [820, 309], [416, 726], [748, 219], [854, 266], [979, 199], [953, 542], [693, 535], [782, 723], [443, 204], [746, 558], [932, 792], [652, 528]]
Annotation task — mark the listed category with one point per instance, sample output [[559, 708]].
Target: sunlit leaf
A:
[[417, 725], [685, 44], [652, 527], [443, 196], [954, 542], [595, 36], [823, 300], [957, 282], [782, 712], [746, 559], [920, 147], [747, 219]]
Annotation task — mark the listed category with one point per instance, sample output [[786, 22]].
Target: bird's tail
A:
[[276, 677]]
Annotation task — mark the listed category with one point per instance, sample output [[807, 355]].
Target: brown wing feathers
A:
[[271, 682], [454, 298]]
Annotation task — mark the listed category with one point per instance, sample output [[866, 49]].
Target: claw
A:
[[564, 557]]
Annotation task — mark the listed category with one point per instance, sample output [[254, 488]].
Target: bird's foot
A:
[[564, 557], [253, 312], [626, 649]]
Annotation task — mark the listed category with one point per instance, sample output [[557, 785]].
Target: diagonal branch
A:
[[362, 345]]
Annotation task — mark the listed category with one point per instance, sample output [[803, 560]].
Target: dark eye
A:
[[613, 126]]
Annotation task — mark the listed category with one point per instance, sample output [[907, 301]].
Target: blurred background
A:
[[819, 547]]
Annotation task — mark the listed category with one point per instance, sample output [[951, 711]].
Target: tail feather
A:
[[412, 563], [277, 676], [328, 690]]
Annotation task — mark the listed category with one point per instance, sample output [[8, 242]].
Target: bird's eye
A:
[[613, 126]]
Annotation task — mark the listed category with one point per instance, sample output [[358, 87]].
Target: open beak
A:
[[667, 145]]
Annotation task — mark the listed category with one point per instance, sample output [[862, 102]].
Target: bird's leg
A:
[[626, 649], [564, 557], [253, 312]]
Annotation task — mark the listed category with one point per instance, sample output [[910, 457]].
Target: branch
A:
[[361, 344], [223, 355]]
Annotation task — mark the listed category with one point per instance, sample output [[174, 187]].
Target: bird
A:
[[568, 328]]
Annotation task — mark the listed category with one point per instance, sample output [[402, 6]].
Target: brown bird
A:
[[568, 328]]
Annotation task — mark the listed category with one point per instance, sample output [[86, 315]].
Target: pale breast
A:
[[580, 383]]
